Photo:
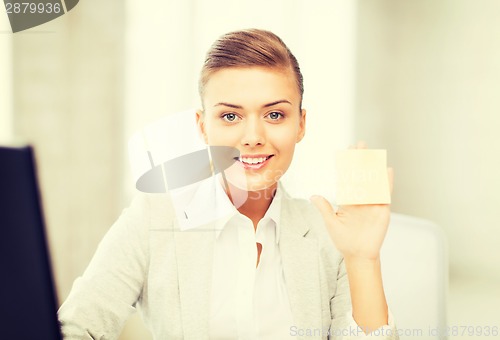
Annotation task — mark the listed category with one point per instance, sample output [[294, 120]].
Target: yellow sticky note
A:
[[362, 177]]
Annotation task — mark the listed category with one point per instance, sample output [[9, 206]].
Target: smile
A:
[[253, 162]]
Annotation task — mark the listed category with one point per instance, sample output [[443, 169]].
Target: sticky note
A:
[[362, 177]]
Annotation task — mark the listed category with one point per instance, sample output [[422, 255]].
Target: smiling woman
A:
[[272, 267]]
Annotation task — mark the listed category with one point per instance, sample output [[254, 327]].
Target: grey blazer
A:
[[145, 261]]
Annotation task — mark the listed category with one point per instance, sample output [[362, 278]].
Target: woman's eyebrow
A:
[[234, 106], [277, 102]]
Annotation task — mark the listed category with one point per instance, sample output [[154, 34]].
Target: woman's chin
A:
[[249, 184], [252, 181]]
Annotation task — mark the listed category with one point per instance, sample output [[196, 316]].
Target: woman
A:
[[275, 267]]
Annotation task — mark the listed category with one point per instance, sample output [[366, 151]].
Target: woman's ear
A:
[[200, 122], [302, 125]]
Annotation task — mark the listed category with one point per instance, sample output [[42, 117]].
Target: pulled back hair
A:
[[247, 48]]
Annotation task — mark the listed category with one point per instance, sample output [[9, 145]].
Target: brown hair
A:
[[246, 48]]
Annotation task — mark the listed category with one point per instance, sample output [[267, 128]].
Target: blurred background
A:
[[420, 78]]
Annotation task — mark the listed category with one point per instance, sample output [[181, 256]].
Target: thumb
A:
[[323, 206]]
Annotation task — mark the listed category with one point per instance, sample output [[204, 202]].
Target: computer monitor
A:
[[28, 304]]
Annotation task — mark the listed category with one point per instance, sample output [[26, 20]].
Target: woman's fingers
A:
[[359, 145]]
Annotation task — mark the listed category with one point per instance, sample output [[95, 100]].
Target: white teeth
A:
[[252, 160]]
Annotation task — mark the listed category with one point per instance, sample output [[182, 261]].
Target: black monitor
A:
[[28, 303]]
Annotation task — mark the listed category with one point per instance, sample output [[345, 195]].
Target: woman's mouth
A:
[[253, 162]]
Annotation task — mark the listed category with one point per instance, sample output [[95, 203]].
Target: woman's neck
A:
[[255, 203]]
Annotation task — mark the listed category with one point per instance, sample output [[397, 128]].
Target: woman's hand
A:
[[357, 231]]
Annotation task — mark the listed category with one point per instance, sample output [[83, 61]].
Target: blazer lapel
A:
[[300, 257]]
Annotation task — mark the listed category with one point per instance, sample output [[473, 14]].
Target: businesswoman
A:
[[273, 267]]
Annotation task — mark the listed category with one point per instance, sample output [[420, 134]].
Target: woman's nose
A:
[[254, 133]]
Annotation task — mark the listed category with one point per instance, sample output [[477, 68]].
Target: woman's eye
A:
[[275, 115], [229, 117]]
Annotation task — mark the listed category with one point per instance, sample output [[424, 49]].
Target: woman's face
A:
[[257, 111]]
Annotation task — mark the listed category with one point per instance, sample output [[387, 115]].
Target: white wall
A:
[[166, 48], [428, 90], [6, 78]]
